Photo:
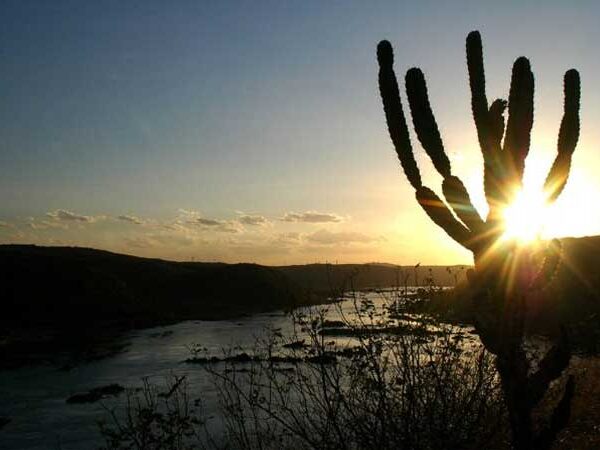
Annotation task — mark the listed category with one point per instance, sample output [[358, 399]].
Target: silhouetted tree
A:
[[505, 274]]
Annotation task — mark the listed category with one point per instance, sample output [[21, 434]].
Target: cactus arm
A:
[[550, 265], [479, 104], [490, 145], [458, 198], [428, 134], [424, 121], [396, 122], [435, 208], [520, 120], [567, 137], [439, 213], [497, 119]]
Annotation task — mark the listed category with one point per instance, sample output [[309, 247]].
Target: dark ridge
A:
[[69, 285]]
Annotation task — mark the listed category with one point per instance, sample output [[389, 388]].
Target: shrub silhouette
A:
[[387, 384], [501, 300], [382, 387]]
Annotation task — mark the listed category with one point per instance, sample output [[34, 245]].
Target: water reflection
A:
[[34, 397]]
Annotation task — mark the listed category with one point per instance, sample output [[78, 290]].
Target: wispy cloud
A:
[[291, 236], [326, 237], [131, 219], [223, 226], [68, 216], [139, 242], [287, 239], [253, 219], [311, 217], [35, 224], [188, 212], [195, 219], [206, 222]]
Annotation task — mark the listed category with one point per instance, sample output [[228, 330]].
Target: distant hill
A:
[[64, 285], [59, 298], [78, 285], [68, 284], [57, 301], [325, 278]]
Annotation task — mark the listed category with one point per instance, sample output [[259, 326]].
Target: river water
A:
[[35, 397]]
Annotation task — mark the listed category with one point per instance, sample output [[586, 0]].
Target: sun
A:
[[525, 217]]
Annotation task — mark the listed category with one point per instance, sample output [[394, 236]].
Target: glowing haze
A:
[[253, 131]]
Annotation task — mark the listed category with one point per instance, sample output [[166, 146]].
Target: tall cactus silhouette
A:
[[501, 302]]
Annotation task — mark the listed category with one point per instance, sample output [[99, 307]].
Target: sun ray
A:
[[526, 216]]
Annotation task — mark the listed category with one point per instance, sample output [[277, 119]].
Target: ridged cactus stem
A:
[[435, 208], [388, 86], [503, 277], [429, 136], [438, 212], [424, 121], [550, 265], [479, 103], [497, 120], [520, 121], [567, 137], [458, 198], [486, 123]]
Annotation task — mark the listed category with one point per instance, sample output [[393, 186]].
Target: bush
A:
[[385, 380], [155, 418], [419, 386]]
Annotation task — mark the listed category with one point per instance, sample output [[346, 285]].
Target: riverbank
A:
[[57, 300]]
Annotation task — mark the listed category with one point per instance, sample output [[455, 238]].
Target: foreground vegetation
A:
[[427, 388], [368, 386]]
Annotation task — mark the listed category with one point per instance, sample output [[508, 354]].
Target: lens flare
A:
[[526, 216]]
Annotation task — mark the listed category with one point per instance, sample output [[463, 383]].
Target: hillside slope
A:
[[66, 284], [63, 285], [326, 278]]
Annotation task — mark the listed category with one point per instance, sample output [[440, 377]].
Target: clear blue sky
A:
[[242, 112]]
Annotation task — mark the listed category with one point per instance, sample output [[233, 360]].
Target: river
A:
[[34, 397]]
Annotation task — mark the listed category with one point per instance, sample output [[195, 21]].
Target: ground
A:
[[583, 432]]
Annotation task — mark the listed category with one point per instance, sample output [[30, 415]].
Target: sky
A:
[[253, 130]]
